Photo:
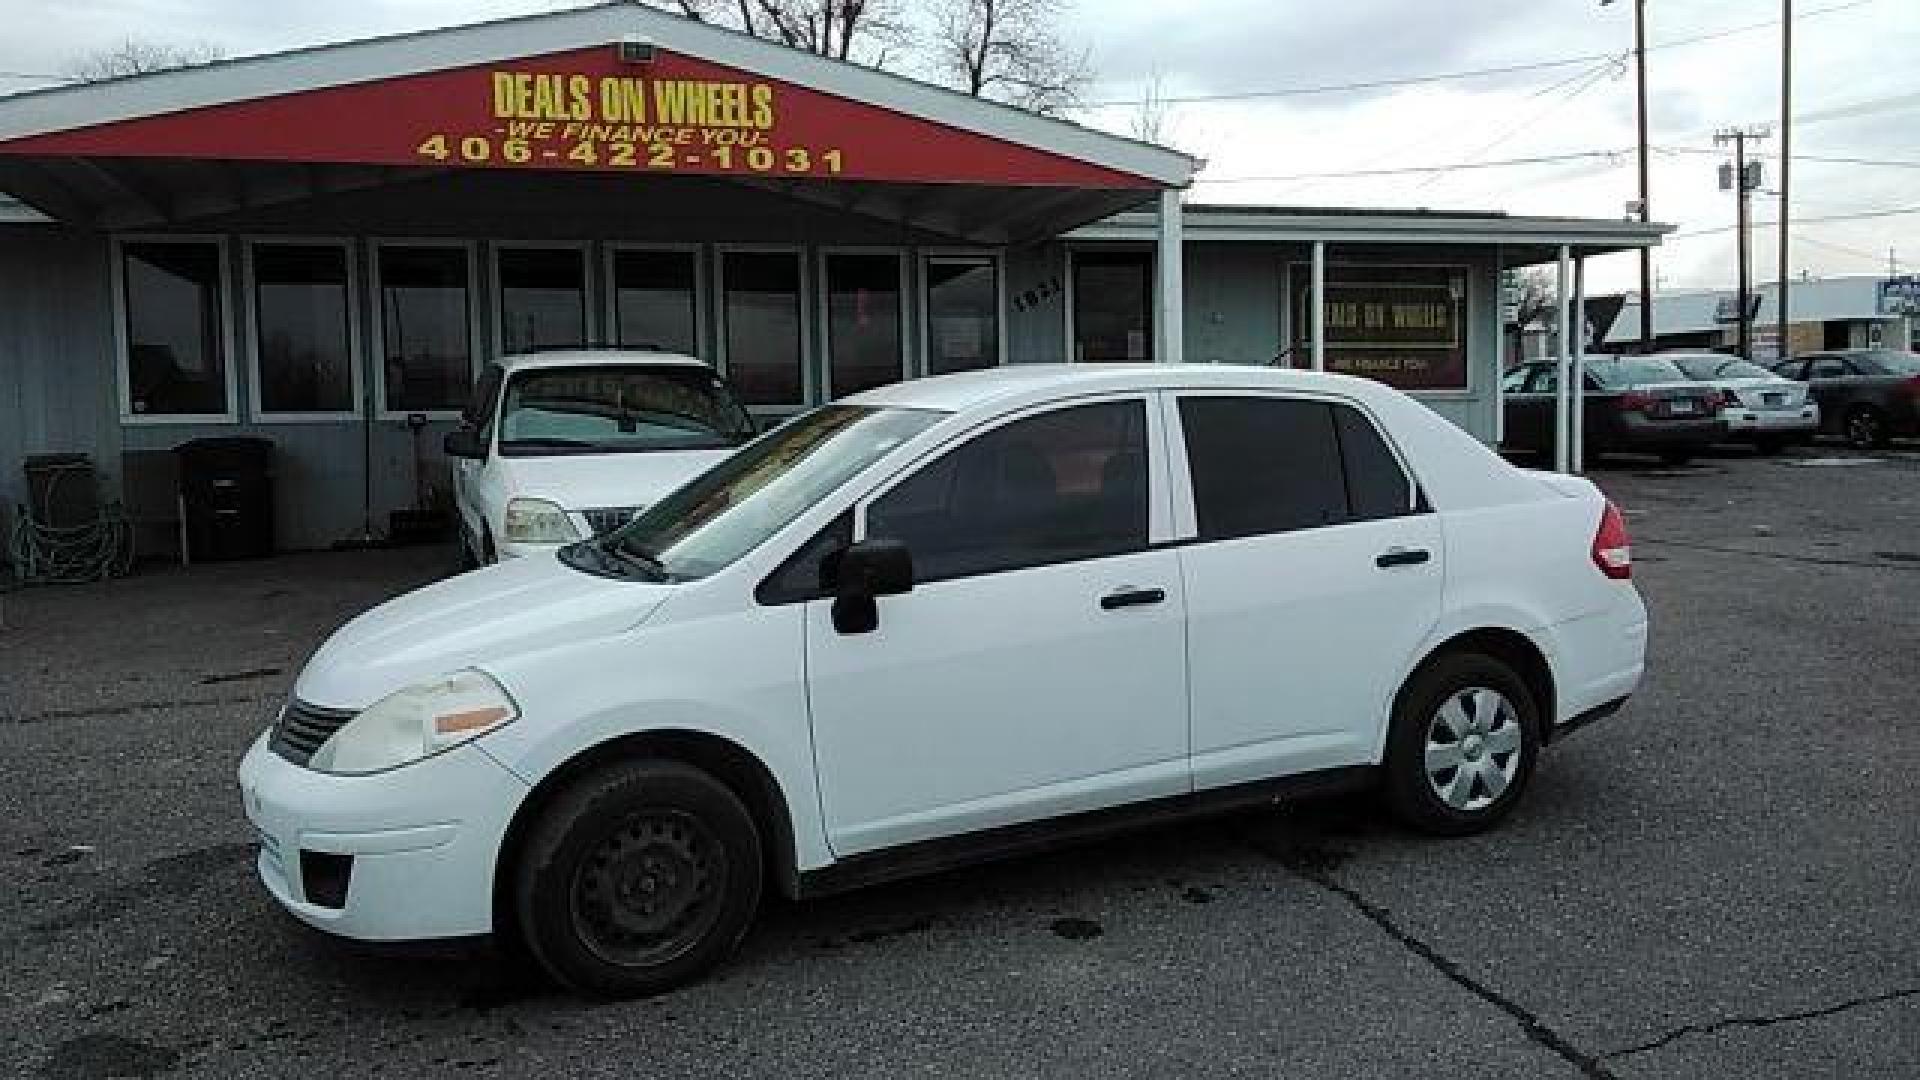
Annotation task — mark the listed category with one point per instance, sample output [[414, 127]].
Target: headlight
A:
[[537, 521], [417, 722]]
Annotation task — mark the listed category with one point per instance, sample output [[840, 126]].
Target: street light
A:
[[1645, 207]]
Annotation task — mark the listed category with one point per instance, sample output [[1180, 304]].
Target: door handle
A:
[[1400, 556], [1131, 598]]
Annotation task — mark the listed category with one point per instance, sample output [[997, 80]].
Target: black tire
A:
[[1411, 792], [619, 843], [1676, 458], [1864, 428]]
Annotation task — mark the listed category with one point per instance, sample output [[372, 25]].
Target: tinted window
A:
[[963, 314], [1113, 306], [763, 321], [799, 578], [176, 347], [1719, 367], [863, 320], [302, 335], [425, 328], [1515, 380], [1377, 487], [1827, 367], [1064, 485], [543, 299], [1262, 465], [1637, 371], [653, 300], [1887, 363]]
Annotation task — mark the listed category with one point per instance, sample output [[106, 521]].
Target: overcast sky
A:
[[1857, 90]]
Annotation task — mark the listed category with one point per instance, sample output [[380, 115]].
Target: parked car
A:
[[1632, 404], [936, 622], [560, 446], [1759, 407], [1866, 396]]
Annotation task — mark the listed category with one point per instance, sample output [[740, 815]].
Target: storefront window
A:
[[426, 328], [303, 351], [1402, 325], [543, 299], [863, 320], [176, 343], [963, 314], [1112, 306], [763, 326], [653, 299]]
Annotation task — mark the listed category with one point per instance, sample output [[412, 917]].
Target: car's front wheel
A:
[[1865, 428], [638, 878], [1462, 744]]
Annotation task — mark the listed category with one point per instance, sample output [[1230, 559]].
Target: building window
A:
[[543, 299], [963, 313], [426, 328], [655, 300], [764, 328], [302, 329], [1112, 306], [176, 341], [1402, 325], [864, 330]]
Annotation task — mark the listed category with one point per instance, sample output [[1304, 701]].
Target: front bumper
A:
[[420, 842], [1746, 423]]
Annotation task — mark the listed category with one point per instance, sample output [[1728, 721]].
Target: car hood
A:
[[588, 481], [466, 621]]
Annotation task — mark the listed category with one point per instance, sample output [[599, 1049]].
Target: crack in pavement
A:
[[97, 712], [1314, 865], [1763, 1021], [1786, 556]]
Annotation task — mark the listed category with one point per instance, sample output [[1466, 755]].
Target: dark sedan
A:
[[1633, 404], [1866, 396]]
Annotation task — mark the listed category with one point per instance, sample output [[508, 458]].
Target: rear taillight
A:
[[1635, 401], [1612, 551]]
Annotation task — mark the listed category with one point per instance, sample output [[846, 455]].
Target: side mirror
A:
[[464, 442], [859, 575]]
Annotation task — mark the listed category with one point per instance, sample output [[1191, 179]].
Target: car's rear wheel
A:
[[638, 878], [1462, 745], [1865, 428]]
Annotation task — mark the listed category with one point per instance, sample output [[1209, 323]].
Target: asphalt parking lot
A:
[[1720, 881]]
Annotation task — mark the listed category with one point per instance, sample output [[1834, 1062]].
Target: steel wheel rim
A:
[[649, 889], [1862, 428], [1473, 749]]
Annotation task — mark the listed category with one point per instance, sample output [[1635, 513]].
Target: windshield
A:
[[1712, 366], [603, 408], [1636, 371], [1888, 363], [734, 506]]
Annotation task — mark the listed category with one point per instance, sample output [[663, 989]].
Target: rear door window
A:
[[1263, 465], [1377, 487]]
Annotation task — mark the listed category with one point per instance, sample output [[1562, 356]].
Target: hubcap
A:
[[649, 889], [1473, 748]]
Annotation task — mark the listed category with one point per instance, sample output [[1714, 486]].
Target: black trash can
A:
[[226, 496]]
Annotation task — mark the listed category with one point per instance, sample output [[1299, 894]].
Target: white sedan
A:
[[1758, 406], [937, 622]]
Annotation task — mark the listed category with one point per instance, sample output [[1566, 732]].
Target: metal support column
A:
[[1168, 316], [1319, 304], [1562, 294], [1577, 384]]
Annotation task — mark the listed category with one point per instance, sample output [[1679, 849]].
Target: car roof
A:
[[1015, 385], [597, 358]]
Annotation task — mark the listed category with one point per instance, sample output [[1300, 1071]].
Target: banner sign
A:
[[1900, 295], [586, 110], [1402, 325]]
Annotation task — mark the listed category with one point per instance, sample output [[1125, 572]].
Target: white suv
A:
[[936, 622], [560, 446]]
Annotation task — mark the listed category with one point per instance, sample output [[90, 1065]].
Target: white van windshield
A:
[[733, 507], [611, 408]]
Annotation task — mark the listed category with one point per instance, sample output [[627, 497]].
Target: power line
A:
[[1858, 215], [1586, 80], [1471, 73], [1824, 159], [1406, 170]]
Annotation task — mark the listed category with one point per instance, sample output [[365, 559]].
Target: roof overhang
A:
[[557, 92], [1522, 239]]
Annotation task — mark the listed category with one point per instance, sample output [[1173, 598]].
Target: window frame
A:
[[496, 293], [703, 343], [122, 341], [1186, 512], [1074, 252], [823, 297], [923, 301], [1159, 478], [477, 357], [809, 362], [356, 359]]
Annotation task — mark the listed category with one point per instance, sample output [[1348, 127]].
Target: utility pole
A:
[[1644, 205], [1786, 172], [1742, 179]]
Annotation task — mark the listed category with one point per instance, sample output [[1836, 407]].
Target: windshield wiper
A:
[[620, 553], [569, 444]]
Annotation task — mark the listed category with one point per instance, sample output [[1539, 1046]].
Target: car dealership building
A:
[[321, 247]]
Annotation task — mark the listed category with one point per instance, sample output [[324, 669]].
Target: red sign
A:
[[585, 110]]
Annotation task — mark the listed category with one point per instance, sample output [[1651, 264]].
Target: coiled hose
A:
[[63, 555]]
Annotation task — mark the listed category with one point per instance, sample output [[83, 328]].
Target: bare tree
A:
[[1152, 119], [864, 31], [136, 57], [1010, 50]]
